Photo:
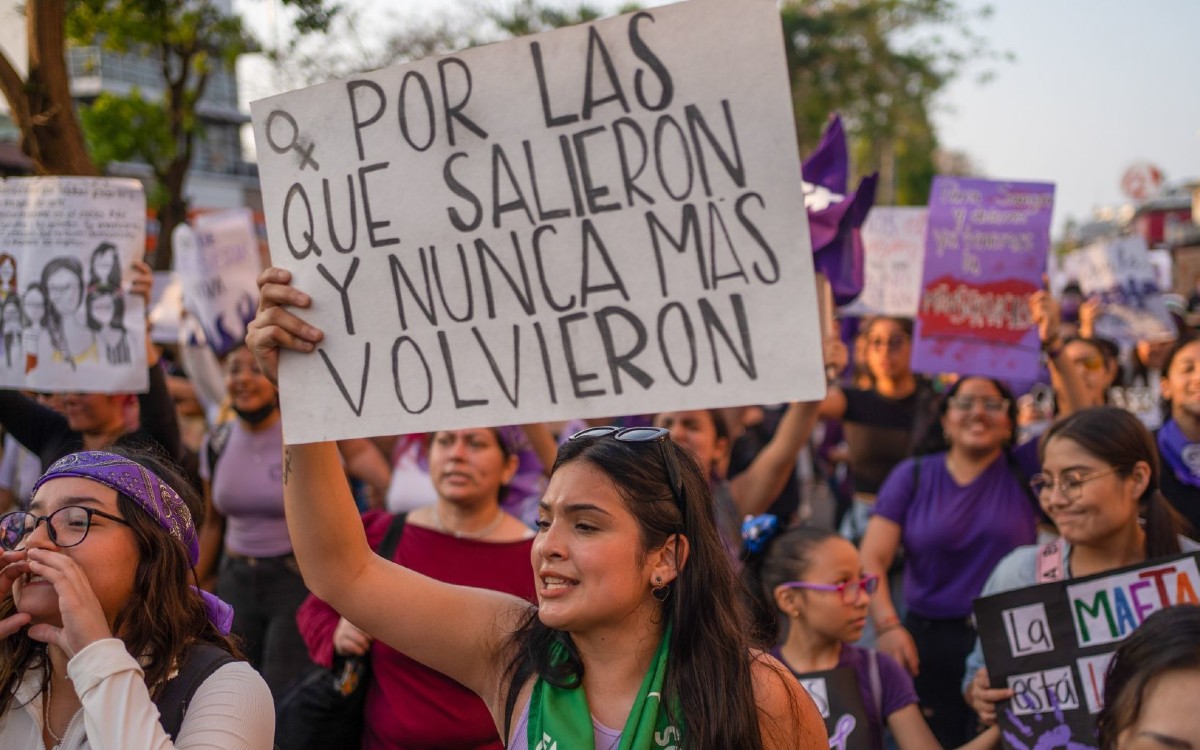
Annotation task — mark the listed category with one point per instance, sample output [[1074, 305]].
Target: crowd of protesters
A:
[[131, 539]]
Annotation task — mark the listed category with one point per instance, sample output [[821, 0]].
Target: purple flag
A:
[[835, 217]]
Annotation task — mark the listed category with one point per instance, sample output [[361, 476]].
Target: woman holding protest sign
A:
[[464, 538], [956, 508], [1100, 486], [103, 642], [638, 624]]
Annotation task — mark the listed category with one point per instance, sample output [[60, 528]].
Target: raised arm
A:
[[1048, 319], [755, 488], [406, 610]]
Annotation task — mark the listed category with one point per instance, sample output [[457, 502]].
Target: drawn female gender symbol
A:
[[294, 144]]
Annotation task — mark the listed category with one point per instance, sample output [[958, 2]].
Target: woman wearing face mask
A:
[[956, 509], [98, 619], [1100, 487], [241, 466], [1179, 437]]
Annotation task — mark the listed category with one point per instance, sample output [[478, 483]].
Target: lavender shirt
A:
[[248, 491], [953, 535]]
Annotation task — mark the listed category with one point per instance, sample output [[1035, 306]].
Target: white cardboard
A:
[[73, 241], [515, 357], [893, 239]]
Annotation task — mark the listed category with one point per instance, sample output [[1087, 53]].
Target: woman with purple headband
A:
[[104, 644]]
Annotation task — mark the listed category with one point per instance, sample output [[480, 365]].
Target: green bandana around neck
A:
[[559, 718]]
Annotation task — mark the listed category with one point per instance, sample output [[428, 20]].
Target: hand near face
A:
[[275, 328], [83, 621], [14, 566], [1046, 316]]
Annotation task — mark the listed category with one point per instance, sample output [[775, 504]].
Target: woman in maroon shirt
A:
[[464, 538]]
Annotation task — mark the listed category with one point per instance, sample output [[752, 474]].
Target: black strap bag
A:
[[323, 709]]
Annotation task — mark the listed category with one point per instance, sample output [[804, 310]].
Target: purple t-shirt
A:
[[248, 491], [894, 683], [953, 535]]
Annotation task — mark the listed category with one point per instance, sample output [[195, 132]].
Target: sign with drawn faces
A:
[[603, 219], [67, 319], [1051, 645]]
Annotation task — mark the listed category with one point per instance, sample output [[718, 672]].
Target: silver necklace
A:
[[46, 715], [437, 519]]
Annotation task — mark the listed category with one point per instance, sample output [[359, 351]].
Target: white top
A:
[[231, 710]]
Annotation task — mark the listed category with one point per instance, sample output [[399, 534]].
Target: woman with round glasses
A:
[[102, 637], [1100, 486], [638, 638], [815, 582], [956, 508]]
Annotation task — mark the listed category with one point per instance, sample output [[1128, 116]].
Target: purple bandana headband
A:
[[160, 501]]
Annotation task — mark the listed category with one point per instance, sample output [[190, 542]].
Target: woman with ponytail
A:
[[1100, 487]]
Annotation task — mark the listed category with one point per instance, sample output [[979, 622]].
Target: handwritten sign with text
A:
[[1051, 644], [605, 219], [1119, 271], [985, 252], [893, 239]]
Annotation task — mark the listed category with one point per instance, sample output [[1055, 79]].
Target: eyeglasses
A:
[[1092, 363], [848, 589], [893, 344], [67, 526], [990, 404], [659, 435], [1070, 484]]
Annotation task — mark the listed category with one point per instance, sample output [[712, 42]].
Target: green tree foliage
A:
[[190, 40], [881, 65]]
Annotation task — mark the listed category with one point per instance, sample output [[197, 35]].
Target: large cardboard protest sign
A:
[[836, 695], [67, 320], [1119, 271], [605, 219], [985, 252], [217, 262], [893, 239], [1051, 644]]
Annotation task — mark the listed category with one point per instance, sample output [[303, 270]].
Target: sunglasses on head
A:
[[659, 435]]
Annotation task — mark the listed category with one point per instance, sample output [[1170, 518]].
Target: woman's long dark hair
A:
[[54, 316], [932, 438], [163, 616], [1119, 439], [709, 668], [1168, 640]]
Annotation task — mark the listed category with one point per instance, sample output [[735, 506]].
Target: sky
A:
[[1094, 87]]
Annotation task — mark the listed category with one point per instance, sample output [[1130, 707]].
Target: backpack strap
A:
[[217, 440], [199, 662], [391, 540], [876, 684], [1051, 561]]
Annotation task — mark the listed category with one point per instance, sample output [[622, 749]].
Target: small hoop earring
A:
[[660, 592]]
